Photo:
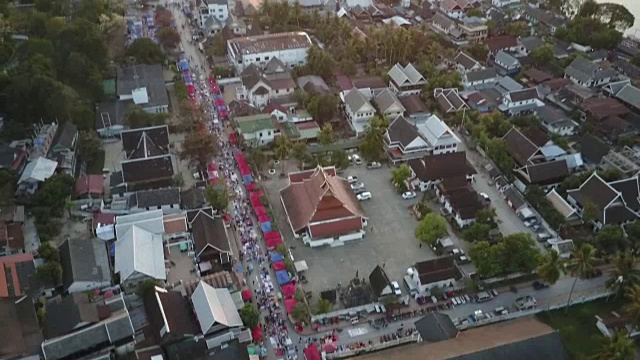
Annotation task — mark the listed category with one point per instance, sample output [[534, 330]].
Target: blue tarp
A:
[[183, 65], [276, 257], [283, 277], [247, 179], [112, 249], [239, 268], [187, 78], [265, 226]]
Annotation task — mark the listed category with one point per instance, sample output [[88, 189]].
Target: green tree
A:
[[589, 213], [619, 347], [517, 28], [319, 62], [258, 159], [323, 306], [50, 273], [54, 192], [485, 258], [300, 312], [89, 144], [217, 196], [8, 186], [283, 149], [371, 147], [542, 55], [431, 228], [147, 287], [137, 118], [515, 253], [249, 315], [399, 176], [322, 107], [582, 264], [199, 148], [168, 37], [340, 159], [299, 152], [550, 267], [478, 51], [475, 12], [48, 252], [326, 135], [632, 230], [611, 240], [625, 274], [477, 231], [145, 51]]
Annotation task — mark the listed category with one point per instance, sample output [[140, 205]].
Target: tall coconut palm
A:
[[283, 149], [625, 274], [617, 347], [632, 307], [583, 263], [550, 267]]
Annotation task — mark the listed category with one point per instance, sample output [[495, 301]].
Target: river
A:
[[634, 7]]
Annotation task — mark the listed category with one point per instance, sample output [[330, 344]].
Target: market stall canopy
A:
[[256, 332], [283, 277], [311, 352], [276, 257], [289, 304], [279, 265], [301, 266], [289, 290], [247, 294]]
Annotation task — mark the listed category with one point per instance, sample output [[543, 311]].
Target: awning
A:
[[289, 290], [329, 348], [301, 266], [279, 265], [256, 332], [247, 294], [311, 352], [276, 257], [265, 226], [263, 218], [260, 211], [273, 242], [289, 304], [283, 277]]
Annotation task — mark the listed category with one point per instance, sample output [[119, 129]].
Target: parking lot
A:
[[389, 242]]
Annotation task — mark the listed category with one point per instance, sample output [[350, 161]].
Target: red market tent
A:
[[191, 89], [279, 265], [273, 234], [256, 332], [224, 113], [247, 294], [311, 352], [212, 80], [251, 187], [233, 139], [240, 158], [289, 304], [273, 242], [329, 348], [260, 210], [219, 102], [256, 194], [289, 290], [211, 166], [263, 218]]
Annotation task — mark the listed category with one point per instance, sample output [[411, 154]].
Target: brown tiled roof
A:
[[149, 169], [10, 274], [154, 140], [174, 223], [501, 42], [630, 191], [465, 203], [320, 197], [603, 107], [555, 84], [596, 191], [535, 135], [413, 104], [344, 82], [443, 166], [614, 125], [298, 176], [15, 236], [271, 42], [522, 147], [172, 306], [451, 185], [537, 76], [209, 231], [373, 82], [548, 172], [438, 269], [401, 131], [283, 84]]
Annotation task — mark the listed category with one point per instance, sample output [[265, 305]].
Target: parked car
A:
[[526, 302], [357, 185], [501, 311], [539, 285], [356, 159], [360, 191], [485, 197], [364, 196], [543, 236], [352, 179], [408, 195], [396, 288], [374, 165], [483, 296]]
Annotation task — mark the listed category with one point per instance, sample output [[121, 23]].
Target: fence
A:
[[375, 347]]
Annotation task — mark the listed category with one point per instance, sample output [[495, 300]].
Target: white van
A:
[[483, 296], [364, 196]]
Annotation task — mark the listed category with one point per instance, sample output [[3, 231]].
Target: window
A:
[[277, 91]]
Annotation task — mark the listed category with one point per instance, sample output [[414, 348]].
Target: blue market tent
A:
[[283, 277], [187, 78], [183, 65], [276, 257], [265, 226]]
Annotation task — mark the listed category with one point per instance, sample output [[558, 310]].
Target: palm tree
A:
[[632, 308], [551, 267], [299, 152], [257, 158], [625, 274], [583, 263], [618, 346], [326, 136], [283, 149]]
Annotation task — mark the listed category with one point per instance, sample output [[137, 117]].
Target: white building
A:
[[502, 3], [358, 110], [218, 9], [290, 47], [139, 256], [439, 136], [215, 309], [406, 80], [519, 101], [389, 105], [441, 273]]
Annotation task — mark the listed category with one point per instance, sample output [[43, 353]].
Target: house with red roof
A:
[[321, 208]]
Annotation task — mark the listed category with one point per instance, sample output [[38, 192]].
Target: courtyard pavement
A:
[[389, 241]]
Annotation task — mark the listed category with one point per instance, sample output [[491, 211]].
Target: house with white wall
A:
[[441, 273], [520, 101], [403, 142], [388, 104], [439, 136], [406, 80], [290, 47], [218, 9], [358, 110]]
